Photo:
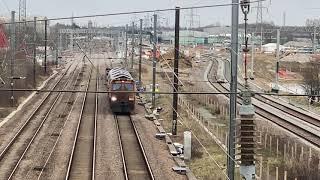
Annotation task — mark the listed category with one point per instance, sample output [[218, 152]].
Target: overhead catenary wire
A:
[[194, 117], [198, 140], [149, 92], [190, 129], [136, 12]]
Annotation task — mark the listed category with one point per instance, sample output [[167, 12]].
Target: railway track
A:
[[82, 158], [282, 117], [14, 151], [310, 118], [289, 109], [134, 159]]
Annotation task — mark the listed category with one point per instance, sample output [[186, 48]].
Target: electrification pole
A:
[[126, 48], [45, 45], [246, 134], [154, 64], [132, 44], [233, 87], [57, 48], [176, 72], [275, 88], [13, 53], [34, 51], [140, 51], [314, 39], [252, 57]]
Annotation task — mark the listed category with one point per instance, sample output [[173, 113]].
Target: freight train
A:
[[121, 88]]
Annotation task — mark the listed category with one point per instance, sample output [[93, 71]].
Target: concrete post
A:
[[285, 175], [187, 145]]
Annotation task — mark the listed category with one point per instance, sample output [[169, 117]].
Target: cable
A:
[[137, 12], [171, 70], [190, 129], [103, 92], [218, 143]]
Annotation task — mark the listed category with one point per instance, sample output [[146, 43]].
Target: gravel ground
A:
[[108, 160], [43, 143], [157, 152], [57, 165], [7, 131]]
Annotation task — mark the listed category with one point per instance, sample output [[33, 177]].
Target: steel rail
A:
[[71, 158], [296, 113], [4, 151], [297, 130], [95, 129], [57, 140], [125, 172], [39, 127], [142, 151]]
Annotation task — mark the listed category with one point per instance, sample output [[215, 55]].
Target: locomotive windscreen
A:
[[116, 87], [123, 86]]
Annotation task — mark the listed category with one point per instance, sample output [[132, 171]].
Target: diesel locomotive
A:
[[121, 88]]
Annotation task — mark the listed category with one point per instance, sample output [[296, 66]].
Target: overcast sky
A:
[[297, 11]]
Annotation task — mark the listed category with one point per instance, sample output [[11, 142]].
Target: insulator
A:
[[246, 140]]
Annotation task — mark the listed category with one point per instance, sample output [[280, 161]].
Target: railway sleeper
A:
[[180, 170], [160, 135], [55, 134], [39, 168], [62, 115], [70, 102], [173, 150]]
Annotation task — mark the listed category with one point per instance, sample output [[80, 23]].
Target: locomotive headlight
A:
[[131, 98], [113, 98]]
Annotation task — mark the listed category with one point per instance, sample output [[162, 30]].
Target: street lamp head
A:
[[245, 6]]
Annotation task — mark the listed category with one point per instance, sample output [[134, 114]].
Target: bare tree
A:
[[311, 24]]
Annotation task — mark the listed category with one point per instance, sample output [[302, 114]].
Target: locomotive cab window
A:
[[116, 87], [128, 87]]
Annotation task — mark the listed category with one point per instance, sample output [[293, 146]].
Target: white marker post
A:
[[187, 145]]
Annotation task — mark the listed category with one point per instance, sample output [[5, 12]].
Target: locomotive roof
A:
[[117, 73]]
